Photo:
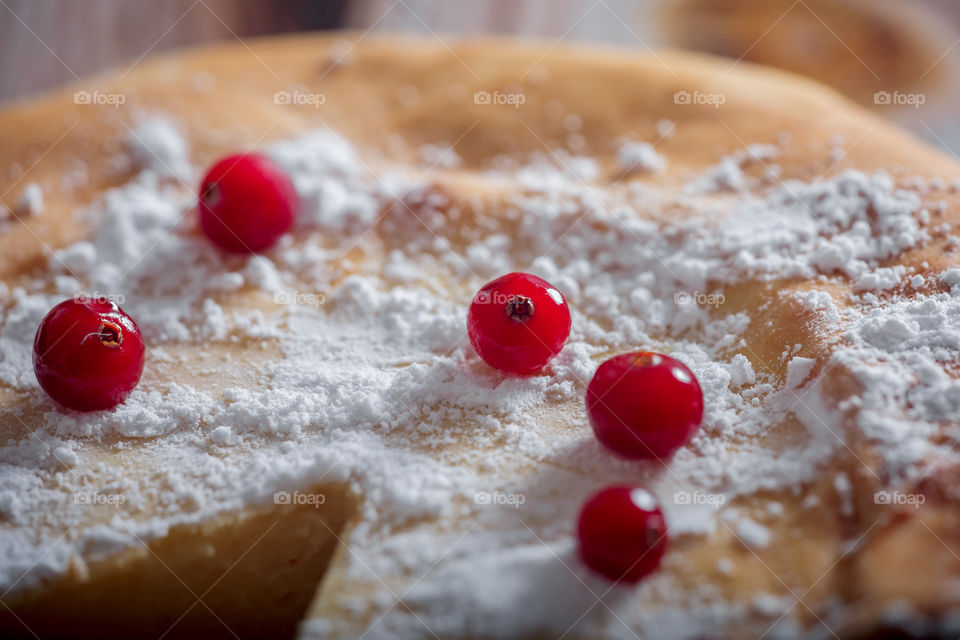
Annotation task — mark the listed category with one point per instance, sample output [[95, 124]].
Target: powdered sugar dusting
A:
[[378, 388], [640, 157]]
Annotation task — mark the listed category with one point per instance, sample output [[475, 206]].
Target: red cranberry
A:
[[622, 533], [518, 322], [644, 404], [88, 354], [247, 201]]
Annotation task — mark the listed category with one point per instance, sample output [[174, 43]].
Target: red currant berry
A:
[[644, 404], [247, 202], [622, 533], [88, 354], [518, 322]]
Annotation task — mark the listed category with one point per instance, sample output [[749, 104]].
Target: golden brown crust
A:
[[196, 578], [859, 47]]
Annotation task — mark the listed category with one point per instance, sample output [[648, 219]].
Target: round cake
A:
[[315, 449]]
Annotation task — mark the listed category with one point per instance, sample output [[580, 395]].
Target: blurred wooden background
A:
[[858, 46], [45, 43]]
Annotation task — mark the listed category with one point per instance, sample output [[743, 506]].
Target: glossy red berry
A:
[[247, 201], [644, 404], [622, 533], [88, 354], [518, 322]]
